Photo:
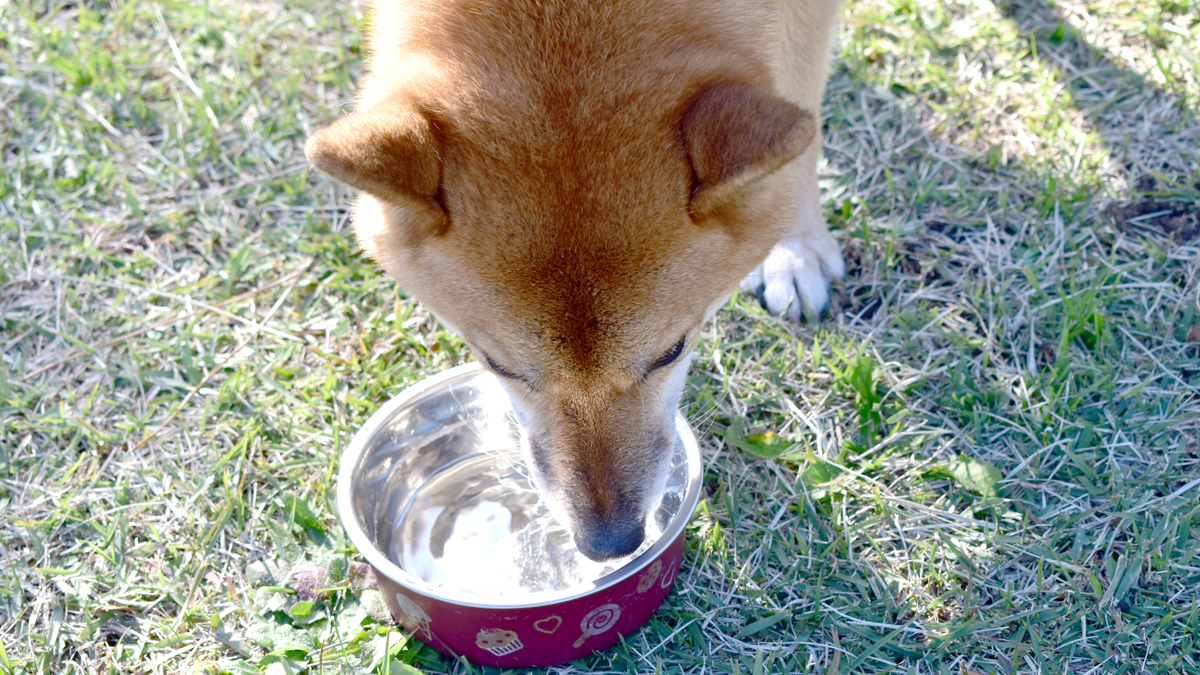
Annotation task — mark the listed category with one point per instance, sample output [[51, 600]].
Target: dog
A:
[[575, 187]]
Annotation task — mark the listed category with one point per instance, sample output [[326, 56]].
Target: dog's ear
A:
[[390, 153], [737, 133]]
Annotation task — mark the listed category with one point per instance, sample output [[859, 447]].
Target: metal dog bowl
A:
[[433, 491]]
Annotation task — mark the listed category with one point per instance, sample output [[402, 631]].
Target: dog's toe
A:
[[753, 283], [794, 279]]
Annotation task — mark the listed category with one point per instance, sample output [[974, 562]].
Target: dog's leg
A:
[[794, 278]]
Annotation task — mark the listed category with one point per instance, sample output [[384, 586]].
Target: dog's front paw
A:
[[794, 279]]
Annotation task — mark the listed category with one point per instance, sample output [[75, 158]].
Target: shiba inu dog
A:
[[574, 186]]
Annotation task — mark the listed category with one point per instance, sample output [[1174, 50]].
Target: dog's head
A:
[[577, 251]]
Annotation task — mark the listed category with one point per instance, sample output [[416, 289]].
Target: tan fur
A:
[[573, 185]]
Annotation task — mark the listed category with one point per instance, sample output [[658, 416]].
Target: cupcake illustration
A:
[[498, 641]]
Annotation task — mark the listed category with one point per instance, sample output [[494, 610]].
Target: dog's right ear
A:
[[736, 134], [389, 153]]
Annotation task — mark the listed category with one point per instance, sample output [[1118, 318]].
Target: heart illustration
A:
[[548, 625]]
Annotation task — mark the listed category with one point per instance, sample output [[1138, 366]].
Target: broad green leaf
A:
[[394, 667], [271, 599], [975, 475], [285, 544], [279, 637], [763, 624], [335, 570], [817, 476], [735, 435], [350, 619], [767, 445], [301, 610], [305, 613], [301, 513], [763, 446]]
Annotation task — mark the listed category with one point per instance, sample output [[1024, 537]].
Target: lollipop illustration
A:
[[597, 621], [498, 641], [649, 577]]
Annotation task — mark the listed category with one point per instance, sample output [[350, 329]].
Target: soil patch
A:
[[1181, 220]]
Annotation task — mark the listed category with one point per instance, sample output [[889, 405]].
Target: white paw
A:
[[794, 279]]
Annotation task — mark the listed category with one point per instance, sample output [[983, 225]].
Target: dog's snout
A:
[[601, 467], [605, 541]]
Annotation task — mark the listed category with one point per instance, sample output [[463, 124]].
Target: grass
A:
[[984, 460]]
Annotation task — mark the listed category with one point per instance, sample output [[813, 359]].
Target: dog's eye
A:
[[499, 369], [669, 357]]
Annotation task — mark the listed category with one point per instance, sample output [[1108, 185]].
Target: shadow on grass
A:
[[1109, 96], [1013, 319]]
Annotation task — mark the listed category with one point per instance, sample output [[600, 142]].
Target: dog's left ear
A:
[[737, 133], [388, 152]]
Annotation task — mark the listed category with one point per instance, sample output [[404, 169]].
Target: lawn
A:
[[983, 459]]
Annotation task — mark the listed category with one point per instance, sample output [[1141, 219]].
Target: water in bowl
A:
[[478, 530]]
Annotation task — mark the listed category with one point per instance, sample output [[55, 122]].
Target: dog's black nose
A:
[[619, 539]]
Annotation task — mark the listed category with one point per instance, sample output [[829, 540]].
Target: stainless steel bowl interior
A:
[[433, 491]]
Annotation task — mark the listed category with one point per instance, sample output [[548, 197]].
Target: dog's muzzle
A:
[[605, 541]]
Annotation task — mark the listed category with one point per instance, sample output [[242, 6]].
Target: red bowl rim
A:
[[384, 565]]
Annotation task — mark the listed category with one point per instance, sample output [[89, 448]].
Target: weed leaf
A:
[[301, 513], [817, 476], [975, 475], [767, 445]]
